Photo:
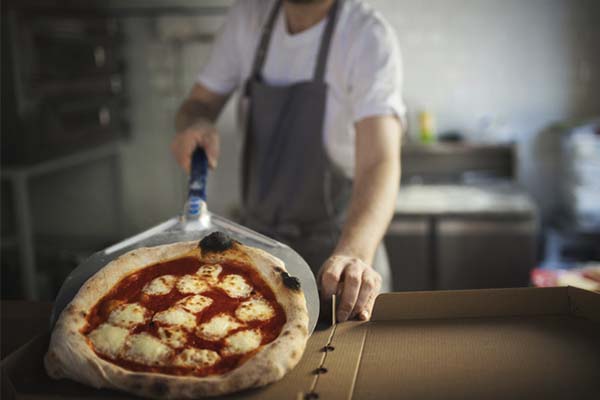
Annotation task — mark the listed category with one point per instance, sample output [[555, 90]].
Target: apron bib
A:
[[291, 189]]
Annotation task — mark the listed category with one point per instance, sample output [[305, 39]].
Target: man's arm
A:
[[376, 183], [194, 124]]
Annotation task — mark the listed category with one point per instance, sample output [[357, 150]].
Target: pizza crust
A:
[[70, 356]]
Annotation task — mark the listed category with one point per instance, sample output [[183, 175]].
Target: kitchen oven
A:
[[62, 78]]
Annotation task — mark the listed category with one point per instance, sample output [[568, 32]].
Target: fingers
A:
[[365, 314], [370, 286], [352, 284], [331, 273], [209, 141], [181, 153], [182, 147], [185, 143], [188, 145]]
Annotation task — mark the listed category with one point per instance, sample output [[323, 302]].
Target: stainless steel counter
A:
[[462, 237], [483, 200]]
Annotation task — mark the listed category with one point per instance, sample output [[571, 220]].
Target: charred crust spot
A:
[[278, 269], [83, 314], [216, 242], [294, 354], [285, 333], [159, 388], [290, 281]]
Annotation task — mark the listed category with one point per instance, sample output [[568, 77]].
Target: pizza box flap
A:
[[492, 344], [497, 343]]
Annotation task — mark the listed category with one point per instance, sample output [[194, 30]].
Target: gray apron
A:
[[291, 190]]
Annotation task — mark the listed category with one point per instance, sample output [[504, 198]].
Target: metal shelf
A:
[[18, 177]]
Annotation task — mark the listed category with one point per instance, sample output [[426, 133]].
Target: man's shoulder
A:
[[365, 36], [363, 22]]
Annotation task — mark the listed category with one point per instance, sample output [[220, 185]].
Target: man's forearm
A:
[[371, 209], [193, 111]]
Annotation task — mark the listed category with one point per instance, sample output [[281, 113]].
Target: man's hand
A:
[[348, 273], [195, 127], [201, 134], [354, 283]]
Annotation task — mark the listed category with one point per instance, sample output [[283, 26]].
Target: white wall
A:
[[501, 70], [470, 60], [485, 67], [163, 71]]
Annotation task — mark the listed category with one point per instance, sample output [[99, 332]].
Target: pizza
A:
[[183, 320]]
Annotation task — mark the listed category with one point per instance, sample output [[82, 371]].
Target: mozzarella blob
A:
[[235, 286], [242, 342], [210, 273], [108, 339], [196, 303], [176, 316], [173, 336], [146, 349], [256, 309], [129, 315], [192, 284], [160, 286], [218, 327], [196, 358]]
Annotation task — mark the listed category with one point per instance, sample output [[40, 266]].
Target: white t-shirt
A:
[[363, 73]]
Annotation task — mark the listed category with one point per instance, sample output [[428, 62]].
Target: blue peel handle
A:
[[197, 186]]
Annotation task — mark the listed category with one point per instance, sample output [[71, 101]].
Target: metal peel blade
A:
[[195, 223]]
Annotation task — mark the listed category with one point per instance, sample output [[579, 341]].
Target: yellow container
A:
[[426, 127]]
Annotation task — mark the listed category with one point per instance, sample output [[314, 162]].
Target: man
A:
[[321, 164]]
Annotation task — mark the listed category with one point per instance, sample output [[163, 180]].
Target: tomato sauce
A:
[[129, 290]]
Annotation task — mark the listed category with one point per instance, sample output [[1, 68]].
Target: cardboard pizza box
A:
[[474, 344]]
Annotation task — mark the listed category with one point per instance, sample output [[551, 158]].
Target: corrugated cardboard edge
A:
[[348, 338], [342, 362], [471, 303], [584, 303], [302, 379]]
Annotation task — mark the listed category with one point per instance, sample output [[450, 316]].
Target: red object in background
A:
[[541, 277], [585, 278]]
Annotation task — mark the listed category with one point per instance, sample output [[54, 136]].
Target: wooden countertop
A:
[[20, 321]]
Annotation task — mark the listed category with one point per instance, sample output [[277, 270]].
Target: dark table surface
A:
[[20, 321]]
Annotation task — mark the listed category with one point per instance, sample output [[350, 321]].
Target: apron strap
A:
[[265, 39], [326, 42], [263, 44]]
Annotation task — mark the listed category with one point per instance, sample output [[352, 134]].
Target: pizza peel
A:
[[195, 223]]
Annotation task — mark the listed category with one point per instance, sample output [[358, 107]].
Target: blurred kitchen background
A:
[[501, 164]]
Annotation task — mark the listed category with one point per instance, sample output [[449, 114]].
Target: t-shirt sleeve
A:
[[375, 75], [222, 72]]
